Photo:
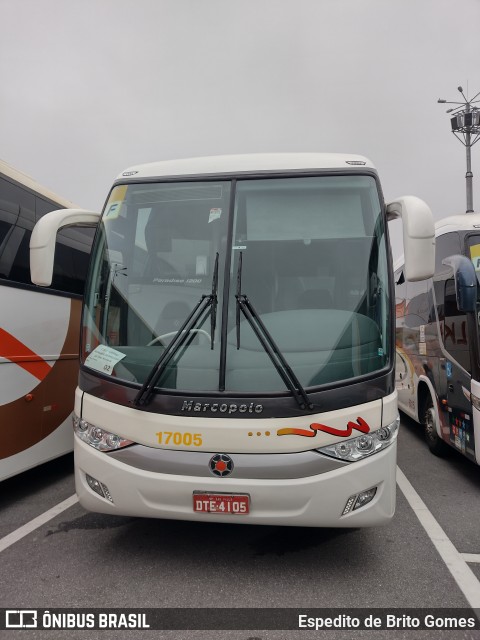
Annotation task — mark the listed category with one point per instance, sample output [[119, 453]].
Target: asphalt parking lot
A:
[[428, 557]]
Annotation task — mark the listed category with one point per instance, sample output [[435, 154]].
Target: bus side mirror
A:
[[44, 235], [465, 282], [418, 236]]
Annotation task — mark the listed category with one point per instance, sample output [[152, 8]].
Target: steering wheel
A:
[[170, 334]]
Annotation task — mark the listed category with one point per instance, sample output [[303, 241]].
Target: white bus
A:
[[438, 358], [39, 329], [237, 350]]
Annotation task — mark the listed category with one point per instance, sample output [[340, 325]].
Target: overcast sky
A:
[[90, 87]]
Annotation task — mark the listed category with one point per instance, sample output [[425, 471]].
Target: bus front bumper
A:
[[313, 501]]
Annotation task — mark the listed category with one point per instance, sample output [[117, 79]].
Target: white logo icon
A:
[[21, 619]]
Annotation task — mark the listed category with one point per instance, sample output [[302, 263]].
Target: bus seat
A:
[[172, 317], [259, 282], [315, 299], [158, 238]]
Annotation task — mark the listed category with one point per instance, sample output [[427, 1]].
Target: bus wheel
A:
[[436, 445]]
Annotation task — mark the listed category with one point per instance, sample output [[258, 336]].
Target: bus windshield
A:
[[309, 253]]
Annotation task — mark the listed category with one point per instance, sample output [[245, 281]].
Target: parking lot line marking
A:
[[27, 528], [461, 572], [471, 557]]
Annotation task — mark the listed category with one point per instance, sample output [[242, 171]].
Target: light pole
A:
[[465, 123]]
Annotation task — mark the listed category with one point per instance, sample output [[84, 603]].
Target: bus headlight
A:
[[96, 437], [365, 445]]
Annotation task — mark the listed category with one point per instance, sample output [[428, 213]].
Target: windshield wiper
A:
[[214, 303], [268, 343], [183, 334]]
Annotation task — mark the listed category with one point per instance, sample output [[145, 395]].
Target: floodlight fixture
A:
[[465, 124]]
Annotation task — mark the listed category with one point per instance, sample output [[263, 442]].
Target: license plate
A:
[[223, 503]]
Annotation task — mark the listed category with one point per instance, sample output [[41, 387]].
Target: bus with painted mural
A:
[[237, 341], [39, 329], [437, 343]]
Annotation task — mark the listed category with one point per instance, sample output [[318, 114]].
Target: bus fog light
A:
[[364, 498], [106, 492], [98, 487], [359, 500], [94, 485], [349, 505]]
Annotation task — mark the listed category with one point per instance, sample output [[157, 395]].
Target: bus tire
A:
[[436, 445]]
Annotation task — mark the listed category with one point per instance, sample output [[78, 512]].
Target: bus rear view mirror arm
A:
[[418, 236], [44, 235]]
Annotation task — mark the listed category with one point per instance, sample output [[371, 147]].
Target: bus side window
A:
[[450, 302], [19, 210], [450, 324], [17, 218], [455, 328], [432, 318], [416, 313], [446, 245]]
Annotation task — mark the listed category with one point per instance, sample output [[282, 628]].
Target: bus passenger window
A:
[[455, 334]]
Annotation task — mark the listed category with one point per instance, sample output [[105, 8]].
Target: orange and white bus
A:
[[237, 351], [38, 329]]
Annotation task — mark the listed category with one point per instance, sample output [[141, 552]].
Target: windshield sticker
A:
[[475, 256], [360, 425], [104, 359], [201, 266], [214, 215], [114, 204]]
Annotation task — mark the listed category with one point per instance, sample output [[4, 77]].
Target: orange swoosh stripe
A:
[[20, 354], [360, 425]]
